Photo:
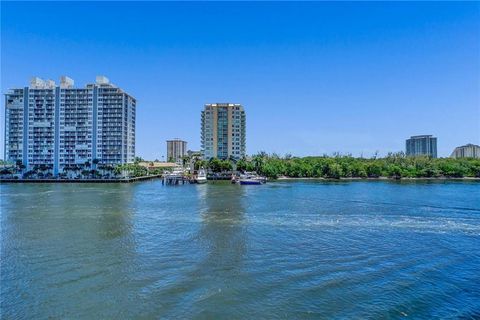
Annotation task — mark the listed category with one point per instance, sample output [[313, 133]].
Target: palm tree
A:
[[233, 162], [185, 160], [108, 168], [19, 165], [76, 169], [95, 162]]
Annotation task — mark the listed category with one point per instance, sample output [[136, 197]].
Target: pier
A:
[[177, 180]]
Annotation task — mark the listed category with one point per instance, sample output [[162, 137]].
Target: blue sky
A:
[[314, 78]]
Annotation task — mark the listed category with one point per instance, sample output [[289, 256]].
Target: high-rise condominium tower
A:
[[466, 151], [176, 150], [61, 126], [223, 131], [425, 145]]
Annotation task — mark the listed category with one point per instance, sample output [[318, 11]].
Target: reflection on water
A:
[[216, 275], [223, 251], [223, 232], [223, 229]]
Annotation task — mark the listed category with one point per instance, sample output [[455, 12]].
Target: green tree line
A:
[[394, 165]]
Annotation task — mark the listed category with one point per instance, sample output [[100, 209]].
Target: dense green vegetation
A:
[[215, 165], [130, 170], [133, 170], [395, 165]]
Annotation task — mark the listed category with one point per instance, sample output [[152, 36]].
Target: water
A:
[[220, 251]]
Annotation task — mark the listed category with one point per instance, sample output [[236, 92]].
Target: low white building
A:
[[466, 151]]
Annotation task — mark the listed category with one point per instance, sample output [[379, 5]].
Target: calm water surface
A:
[[284, 250]]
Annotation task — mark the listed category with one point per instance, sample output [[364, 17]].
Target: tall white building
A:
[[61, 126], [223, 131]]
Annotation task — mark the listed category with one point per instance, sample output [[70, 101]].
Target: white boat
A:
[[201, 176], [251, 178]]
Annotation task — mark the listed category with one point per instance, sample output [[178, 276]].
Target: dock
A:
[[177, 180]]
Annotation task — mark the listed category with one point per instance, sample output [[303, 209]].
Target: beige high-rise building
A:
[[176, 150], [466, 151], [223, 131]]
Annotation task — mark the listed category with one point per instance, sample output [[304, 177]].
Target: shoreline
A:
[[283, 178], [378, 179], [124, 180]]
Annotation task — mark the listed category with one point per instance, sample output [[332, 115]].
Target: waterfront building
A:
[[156, 165], [194, 153], [59, 127], [176, 150], [466, 151], [223, 131], [424, 145]]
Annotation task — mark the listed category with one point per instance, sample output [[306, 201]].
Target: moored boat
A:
[[176, 173], [201, 176], [251, 178], [249, 182]]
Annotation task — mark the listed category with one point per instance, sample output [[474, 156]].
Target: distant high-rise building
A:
[[176, 150], [466, 151], [425, 145], [223, 131], [61, 126]]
